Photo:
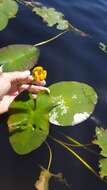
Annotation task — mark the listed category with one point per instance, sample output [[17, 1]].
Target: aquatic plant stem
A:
[[76, 30], [51, 39], [50, 156], [78, 144], [77, 156], [75, 145]]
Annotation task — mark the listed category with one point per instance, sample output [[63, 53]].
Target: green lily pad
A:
[[18, 57], [28, 123], [9, 7], [74, 102], [103, 167], [3, 21], [101, 140]]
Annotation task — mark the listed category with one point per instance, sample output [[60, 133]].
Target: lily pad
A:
[[18, 57], [28, 123], [74, 102], [8, 9], [101, 140], [3, 21]]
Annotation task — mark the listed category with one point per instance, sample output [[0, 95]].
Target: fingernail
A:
[[44, 82]]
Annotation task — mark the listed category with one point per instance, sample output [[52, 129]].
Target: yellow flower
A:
[[39, 73]]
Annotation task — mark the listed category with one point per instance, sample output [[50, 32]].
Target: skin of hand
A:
[[13, 83]]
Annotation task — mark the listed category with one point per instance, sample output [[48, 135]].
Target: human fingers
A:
[[17, 76], [24, 78], [5, 103], [33, 88], [4, 85], [39, 83]]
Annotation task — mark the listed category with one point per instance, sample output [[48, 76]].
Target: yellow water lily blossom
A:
[[39, 73]]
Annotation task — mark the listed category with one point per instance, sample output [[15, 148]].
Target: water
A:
[[70, 58]]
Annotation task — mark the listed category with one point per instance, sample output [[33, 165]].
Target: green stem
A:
[[51, 39], [79, 144], [50, 156], [77, 156]]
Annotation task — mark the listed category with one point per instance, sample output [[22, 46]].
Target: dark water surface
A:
[[70, 58]]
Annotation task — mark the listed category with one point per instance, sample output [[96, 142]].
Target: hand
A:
[[13, 83]]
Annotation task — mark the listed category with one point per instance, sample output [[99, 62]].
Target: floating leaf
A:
[[52, 17], [3, 21], [8, 9], [18, 57], [29, 123], [74, 103], [103, 167], [101, 140]]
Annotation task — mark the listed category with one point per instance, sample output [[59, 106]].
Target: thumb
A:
[[18, 75]]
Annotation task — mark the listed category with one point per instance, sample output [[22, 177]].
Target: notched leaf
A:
[[28, 123], [103, 168], [101, 140]]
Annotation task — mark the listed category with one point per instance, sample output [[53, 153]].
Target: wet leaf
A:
[[52, 17], [103, 167], [101, 140], [29, 123], [45, 175], [74, 103], [18, 57], [8, 9], [3, 21]]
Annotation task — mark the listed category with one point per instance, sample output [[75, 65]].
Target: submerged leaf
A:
[[52, 17], [28, 123], [43, 182], [101, 140], [103, 167], [18, 57], [74, 102]]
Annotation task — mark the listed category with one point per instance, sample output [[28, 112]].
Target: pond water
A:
[[69, 58]]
